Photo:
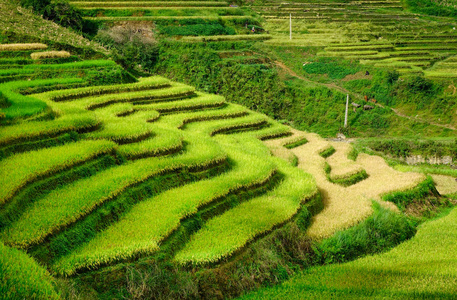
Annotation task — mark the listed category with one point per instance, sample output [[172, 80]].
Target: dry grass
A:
[[22, 47], [445, 184], [50, 54], [347, 206]]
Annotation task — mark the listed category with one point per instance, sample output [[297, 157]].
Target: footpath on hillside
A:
[[357, 96]]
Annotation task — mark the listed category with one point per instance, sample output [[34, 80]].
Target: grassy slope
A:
[[21, 277], [23, 22], [422, 268]]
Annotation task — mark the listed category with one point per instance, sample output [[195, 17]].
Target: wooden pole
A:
[[346, 113]]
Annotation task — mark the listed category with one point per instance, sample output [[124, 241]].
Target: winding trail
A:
[[358, 96]]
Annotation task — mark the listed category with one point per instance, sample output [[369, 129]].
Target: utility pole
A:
[[290, 25], [346, 113]]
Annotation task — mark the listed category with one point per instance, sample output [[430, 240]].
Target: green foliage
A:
[[37, 5], [58, 11], [296, 143], [19, 106], [136, 228], [22, 278], [383, 86], [303, 219], [404, 198], [350, 180], [334, 68], [130, 51], [197, 30], [17, 171], [414, 269], [62, 13], [377, 119], [257, 216], [83, 196], [383, 230], [327, 152], [446, 8]]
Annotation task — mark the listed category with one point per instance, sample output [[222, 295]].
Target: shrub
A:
[[61, 12], [37, 5]]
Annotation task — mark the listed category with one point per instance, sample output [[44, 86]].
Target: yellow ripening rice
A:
[[50, 54], [445, 184], [342, 166], [346, 206], [22, 47]]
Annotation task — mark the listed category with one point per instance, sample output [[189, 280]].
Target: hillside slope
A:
[[18, 23]]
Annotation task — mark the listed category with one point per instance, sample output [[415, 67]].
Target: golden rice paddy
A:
[[346, 206]]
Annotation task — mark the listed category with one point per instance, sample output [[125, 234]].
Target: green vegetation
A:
[[217, 240], [22, 277], [327, 152], [445, 8], [402, 148], [147, 230], [412, 270], [68, 204], [124, 185], [16, 171]]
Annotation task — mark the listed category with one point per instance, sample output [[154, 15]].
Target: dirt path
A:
[[357, 96]]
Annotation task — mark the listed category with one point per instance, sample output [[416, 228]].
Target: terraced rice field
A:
[[378, 33], [181, 20], [415, 269], [158, 10], [96, 175], [118, 168]]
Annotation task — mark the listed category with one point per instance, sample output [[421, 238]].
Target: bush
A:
[[62, 13], [130, 49], [36, 5]]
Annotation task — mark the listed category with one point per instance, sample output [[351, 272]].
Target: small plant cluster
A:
[[59, 11]]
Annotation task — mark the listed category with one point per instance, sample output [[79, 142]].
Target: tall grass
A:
[[22, 278], [421, 268], [23, 106], [179, 120], [163, 141], [143, 84], [122, 130], [201, 102], [69, 203], [153, 95], [17, 170], [225, 234], [151, 221], [73, 119]]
